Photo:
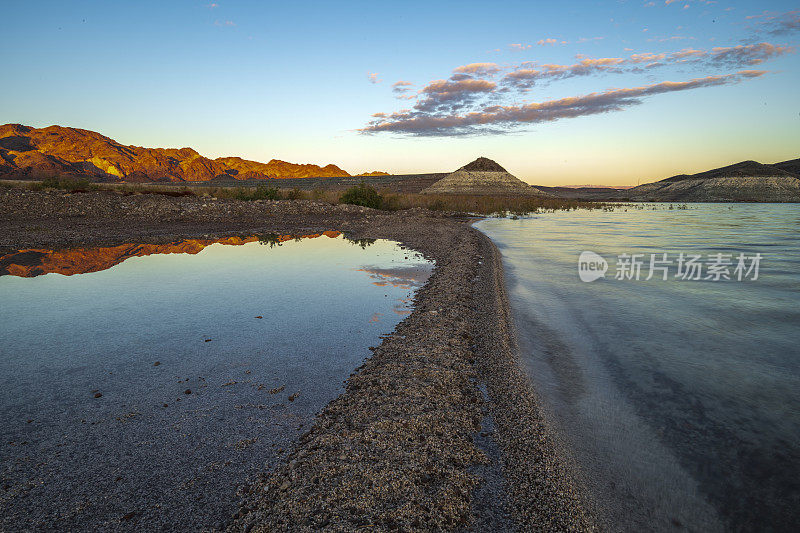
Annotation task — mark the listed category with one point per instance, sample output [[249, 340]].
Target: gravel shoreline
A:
[[439, 429]]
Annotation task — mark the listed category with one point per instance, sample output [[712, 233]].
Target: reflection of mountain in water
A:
[[35, 262]]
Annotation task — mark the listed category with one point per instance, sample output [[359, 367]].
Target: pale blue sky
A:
[[291, 81]]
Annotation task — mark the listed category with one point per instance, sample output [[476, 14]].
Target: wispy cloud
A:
[[452, 95], [224, 23], [478, 69], [528, 74], [401, 90], [519, 46], [373, 77], [778, 24], [747, 54], [498, 119]]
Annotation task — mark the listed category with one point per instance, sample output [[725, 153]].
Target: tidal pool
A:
[[141, 385]]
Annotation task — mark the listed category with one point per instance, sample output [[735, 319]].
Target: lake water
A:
[[207, 359], [679, 399]]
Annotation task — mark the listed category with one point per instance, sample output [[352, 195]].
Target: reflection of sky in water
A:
[[61, 338], [407, 278], [681, 398]]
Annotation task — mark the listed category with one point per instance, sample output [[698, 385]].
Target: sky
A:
[[559, 93]]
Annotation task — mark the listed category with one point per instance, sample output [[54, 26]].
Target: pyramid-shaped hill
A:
[[485, 177]]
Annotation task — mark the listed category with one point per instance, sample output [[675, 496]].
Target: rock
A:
[[293, 396], [187, 391], [157, 363], [98, 394]]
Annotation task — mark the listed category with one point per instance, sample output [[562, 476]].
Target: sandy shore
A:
[[439, 429]]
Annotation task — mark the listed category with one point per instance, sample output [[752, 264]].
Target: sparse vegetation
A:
[[487, 204], [67, 184], [262, 192], [295, 194], [363, 195]]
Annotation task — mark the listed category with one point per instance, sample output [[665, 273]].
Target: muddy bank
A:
[[439, 428]]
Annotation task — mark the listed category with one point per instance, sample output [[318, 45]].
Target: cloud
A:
[[519, 46], [747, 54], [586, 40], [452, 95], [373, 77], [542, 42], [784, 24], [212, 5], [401, 90], [528, 74], [500, 119], [478, 69], [402, 86], [226, 23]]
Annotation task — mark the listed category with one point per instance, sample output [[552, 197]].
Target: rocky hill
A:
[[748, 181], [36, 153], [246, 169], [482, 176], [792, 166]]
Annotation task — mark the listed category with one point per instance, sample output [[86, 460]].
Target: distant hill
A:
[[748, 181], [482, 176], [793, 166], [745, 169], [36, 153], [374, 173], [246, 169]]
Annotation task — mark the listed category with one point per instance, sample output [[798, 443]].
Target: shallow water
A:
[[679, 399], [228, 323]]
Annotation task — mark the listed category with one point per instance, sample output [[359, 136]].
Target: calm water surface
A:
[[680, 400], [146, 453]]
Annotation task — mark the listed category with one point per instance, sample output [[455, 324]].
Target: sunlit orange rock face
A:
[[35, 262], [55, 151]]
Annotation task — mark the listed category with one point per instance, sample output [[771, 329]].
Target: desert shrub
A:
[[295, 194], [69, 184], [438, 205], [363, 195], [261, 192]]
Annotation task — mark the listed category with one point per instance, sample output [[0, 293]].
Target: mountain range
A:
[[36, 153]]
